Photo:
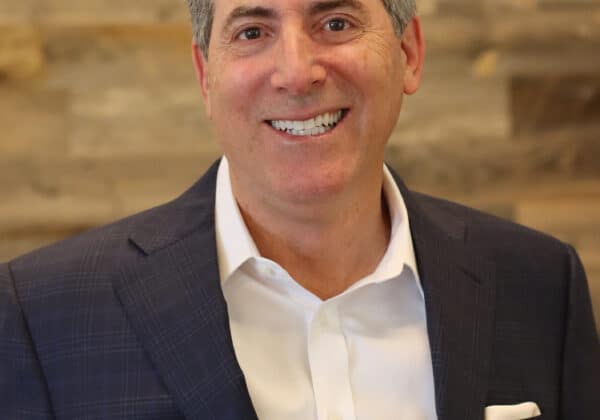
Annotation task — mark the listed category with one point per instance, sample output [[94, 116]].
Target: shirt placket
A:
[[328, 360]]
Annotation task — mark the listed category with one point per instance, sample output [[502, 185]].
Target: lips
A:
[[314, 126]]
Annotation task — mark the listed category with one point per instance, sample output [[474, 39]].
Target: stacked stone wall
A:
[[101, 116]]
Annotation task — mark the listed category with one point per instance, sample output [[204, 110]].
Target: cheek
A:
[[237, 88], [371, 66], [377, 76]]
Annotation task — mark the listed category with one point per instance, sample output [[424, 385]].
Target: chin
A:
[[310, 188]]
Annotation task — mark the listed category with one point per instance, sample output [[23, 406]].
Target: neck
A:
[[327, 247]]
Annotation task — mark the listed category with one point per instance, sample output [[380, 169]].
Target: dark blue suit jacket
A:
[[129, 321]]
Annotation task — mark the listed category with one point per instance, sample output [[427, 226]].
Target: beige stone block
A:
[[68, 12], [16, 12], [153, 121], [503, 196], [570, 152], [495, 6], [486, 64], [103, 57], [53, 194], [519, 6], [540, 103], [589, 243], [132, 91], [65, 195], [574, 58], [560, 214], [21, 55], [454, 104], [452, 32], [36, 211], [571, 26], [462, 164], [33, 121], [151, 183], [470, 8], [55, 176], [12, 247], [427, 7]]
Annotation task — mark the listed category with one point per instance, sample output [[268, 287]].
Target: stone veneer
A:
[[100, 115]]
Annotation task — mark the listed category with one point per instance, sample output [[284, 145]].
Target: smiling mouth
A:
[[315, 126]]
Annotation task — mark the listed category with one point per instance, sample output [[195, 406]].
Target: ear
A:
[[413, 45], [201, 65]]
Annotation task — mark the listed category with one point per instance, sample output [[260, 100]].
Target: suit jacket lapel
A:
[[173, 299], [175, 304], [459, 288]]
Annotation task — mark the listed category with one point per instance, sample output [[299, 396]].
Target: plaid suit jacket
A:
[[128, 321]]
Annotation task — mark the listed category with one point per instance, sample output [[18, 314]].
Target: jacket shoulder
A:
[[94, 247], [101, 251], [492, 235]]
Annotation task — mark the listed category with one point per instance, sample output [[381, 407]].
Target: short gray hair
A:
[[202, 13]]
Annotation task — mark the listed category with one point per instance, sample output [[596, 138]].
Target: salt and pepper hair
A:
[[202, 13]]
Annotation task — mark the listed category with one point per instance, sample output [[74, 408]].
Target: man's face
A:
[[305, 93]]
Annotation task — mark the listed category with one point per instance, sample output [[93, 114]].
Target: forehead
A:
[[224, 8]]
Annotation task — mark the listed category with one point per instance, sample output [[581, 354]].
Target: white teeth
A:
[[313, 126]]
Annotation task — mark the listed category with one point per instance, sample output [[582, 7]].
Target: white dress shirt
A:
[[363, 354]]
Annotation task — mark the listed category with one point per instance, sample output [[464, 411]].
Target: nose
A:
[[297, 69]]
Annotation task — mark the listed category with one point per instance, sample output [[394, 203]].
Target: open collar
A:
[[173, 298], [235, 245]]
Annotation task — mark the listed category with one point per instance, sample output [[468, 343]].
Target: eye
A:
[[247, 34], [336, 25]]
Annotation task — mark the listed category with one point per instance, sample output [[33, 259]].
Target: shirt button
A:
[[334, 416], [327, 318], [323, 323]]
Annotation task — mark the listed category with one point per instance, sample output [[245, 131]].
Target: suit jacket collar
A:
[[459, 286], [173, 298]]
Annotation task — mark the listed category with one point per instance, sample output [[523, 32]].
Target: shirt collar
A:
[[235, 245], [400, 253]]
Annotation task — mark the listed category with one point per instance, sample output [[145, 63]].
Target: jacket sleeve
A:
[[23, 390], [580, 387]]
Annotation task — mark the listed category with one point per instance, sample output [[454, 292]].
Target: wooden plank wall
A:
[[100, 115]]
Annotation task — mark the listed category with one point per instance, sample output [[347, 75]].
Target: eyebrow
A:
[[328, 5], [247, 11], [268, 13]]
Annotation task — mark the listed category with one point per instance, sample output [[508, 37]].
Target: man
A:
[[299, 278]]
